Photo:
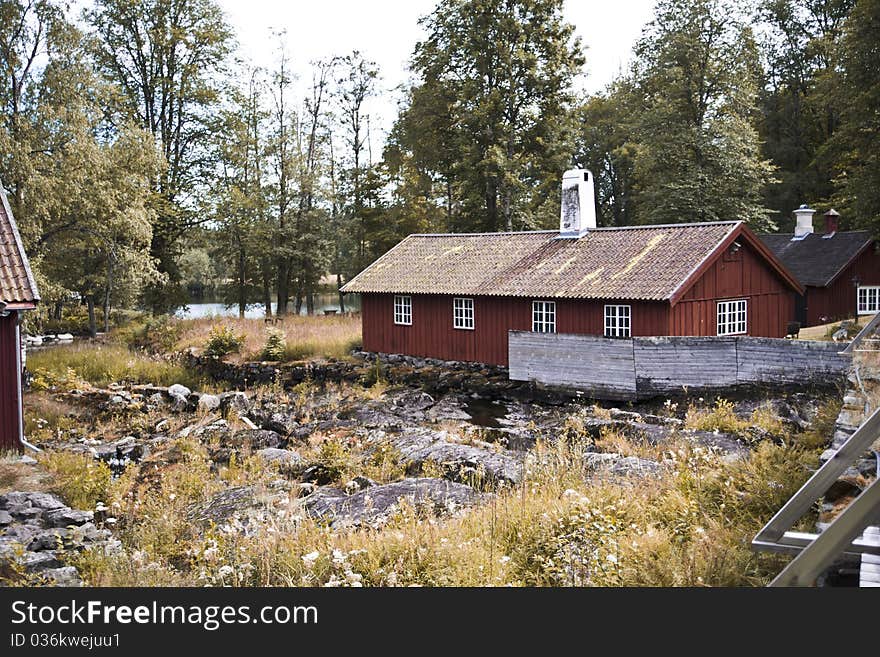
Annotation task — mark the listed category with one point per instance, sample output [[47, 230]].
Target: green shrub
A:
[[223, 340], [158, 335], [275, 347], [722, 418], [66, 366], [79, 479]]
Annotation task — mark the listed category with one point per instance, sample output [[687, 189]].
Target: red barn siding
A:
[[838, 300], [10, 377], [431, 334], [743, 276]]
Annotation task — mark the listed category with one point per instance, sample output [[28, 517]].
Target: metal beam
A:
[[795, 542], [821, 481], [807, 566], [870, 327]]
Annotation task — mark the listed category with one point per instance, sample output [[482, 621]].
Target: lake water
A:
[[323, 302]]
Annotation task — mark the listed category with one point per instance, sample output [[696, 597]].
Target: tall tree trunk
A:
[[341, 295], [267, 288], [93, 326], [107, 291], [491, 203], [242, 281]]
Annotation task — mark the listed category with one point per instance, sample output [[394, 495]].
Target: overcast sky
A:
[[385, 31]]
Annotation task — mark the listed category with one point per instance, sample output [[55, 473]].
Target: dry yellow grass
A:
[[306, 337]]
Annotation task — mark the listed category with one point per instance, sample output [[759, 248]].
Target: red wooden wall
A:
[[744, 275], [431, 334], [838, 300], [10, 377]]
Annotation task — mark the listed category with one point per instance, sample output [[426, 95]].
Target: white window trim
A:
[[728, 323], [546, 305], [402, 310], [467, 313], [614, 329], [867, 308]]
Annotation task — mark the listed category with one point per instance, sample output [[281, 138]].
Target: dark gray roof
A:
[[817, 260]]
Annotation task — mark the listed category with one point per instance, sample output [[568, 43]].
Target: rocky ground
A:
[[444, 438]]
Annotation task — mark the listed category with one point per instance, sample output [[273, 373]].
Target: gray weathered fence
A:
[[644, 367]]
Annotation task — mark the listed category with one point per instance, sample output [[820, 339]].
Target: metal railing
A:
[[863, 335], [815, 552]]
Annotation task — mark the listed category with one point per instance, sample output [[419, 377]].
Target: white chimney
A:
[[804, 217], [578, 213]]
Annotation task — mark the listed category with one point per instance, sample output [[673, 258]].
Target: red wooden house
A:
[[840, 270], [455, 296], [18, 292]]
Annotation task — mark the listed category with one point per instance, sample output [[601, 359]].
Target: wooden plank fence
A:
[[646, 367]]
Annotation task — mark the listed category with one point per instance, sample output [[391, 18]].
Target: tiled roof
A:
[[815, 260], [17, 286], [646, 263]]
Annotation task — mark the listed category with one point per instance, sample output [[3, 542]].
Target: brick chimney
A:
[[832, 222]]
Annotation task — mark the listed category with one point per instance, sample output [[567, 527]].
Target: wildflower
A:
[[611, 558], [503, 560], [310, 558], [225, 571]]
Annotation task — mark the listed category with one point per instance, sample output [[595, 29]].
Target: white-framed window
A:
[[869, 299], [544, 316], [463, 313], [732, 317], [618, 321], [402, 310]]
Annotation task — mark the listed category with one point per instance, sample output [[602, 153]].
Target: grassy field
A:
[[298, 337], [103, 363], [824, 331], [688, 526]]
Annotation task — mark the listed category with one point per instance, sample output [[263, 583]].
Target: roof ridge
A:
[[695, 224]]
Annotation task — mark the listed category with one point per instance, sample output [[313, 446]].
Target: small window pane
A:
[[869, 299], [544, 316], [403, 310], [732, 317], [618, 321], [463, 313]]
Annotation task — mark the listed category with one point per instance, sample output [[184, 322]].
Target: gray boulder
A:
[[68, 517], [179, 390], [374, 505], [42, 501], [208, 402], [64, 576], [623, 466], [464, 463], [287, 461], [235, 401], [224, 505]]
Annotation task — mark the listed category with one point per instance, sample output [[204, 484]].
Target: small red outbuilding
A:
[[456, 296], [18, 292]]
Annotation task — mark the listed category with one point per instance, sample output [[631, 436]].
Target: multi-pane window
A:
[[869, 299], [402, 310], [463, 313], [732, 317], [618, 321], [544, 316]]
